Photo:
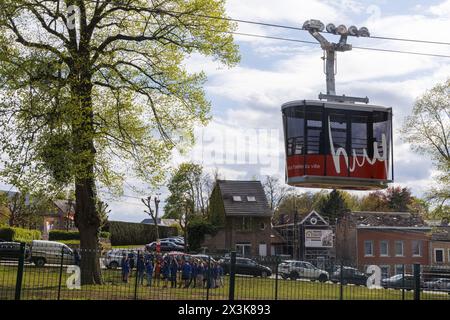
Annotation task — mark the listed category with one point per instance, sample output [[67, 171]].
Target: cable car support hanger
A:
[[314, 27]]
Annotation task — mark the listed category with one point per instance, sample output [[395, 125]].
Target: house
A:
[[241, 211], [311, 238], [60, 216], [440, 245], [389, 240]]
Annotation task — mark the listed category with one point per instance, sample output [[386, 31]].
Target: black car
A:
[[397, 282], [10, 251], [349, 276], [246, 266], [165, 246]]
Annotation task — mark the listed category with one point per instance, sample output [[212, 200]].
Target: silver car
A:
[[50, 252], [301, 270], [113, 257]]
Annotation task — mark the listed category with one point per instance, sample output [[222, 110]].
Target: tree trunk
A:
[[88, 223], [87, 218], [156, 228]]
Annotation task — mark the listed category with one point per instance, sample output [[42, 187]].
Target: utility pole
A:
[[315, 27]]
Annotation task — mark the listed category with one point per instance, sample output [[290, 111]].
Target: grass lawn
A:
[[42, 284]]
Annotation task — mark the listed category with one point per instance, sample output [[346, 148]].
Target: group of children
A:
[[194, 273]]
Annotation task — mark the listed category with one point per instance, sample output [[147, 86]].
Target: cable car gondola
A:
[[339, 145]]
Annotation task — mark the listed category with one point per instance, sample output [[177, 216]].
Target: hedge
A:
[[128, 233], [71, 235], [19, 234], [54, 235]]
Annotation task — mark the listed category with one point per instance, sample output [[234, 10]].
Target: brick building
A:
[[386, 239], [241, 211], [391, 248]]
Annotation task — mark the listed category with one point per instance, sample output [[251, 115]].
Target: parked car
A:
[[10, 251], [441, 284], [397, 282], [349, 276], [204, 257], [50, 252], [165, 246], [113, 257], [177, 241], [246, 266], [301, 270]]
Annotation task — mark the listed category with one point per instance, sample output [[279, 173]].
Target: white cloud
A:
[[442, 9]]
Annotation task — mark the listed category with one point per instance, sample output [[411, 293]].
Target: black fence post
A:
[[232, 275], [341, 281], [20, 271], [277, 262], [403, 282], [60, 272], [137, 276], [416, 281], [208, 278]]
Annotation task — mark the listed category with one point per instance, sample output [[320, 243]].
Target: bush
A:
[[105, 235], [196, 233], [19, 234], [55, 235], [128, 233]]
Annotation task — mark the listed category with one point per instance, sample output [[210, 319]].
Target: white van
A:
[[50, 252]]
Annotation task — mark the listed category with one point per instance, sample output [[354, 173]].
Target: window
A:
[[398, 269], [314, 132], [439, 255], [359, 134], [295, 124], [384, 248], [380, 128], [338, 125], [399, 248], [237, 198], [251, 198], [243, 249], [245, 224], [417, 248], [368, 248]]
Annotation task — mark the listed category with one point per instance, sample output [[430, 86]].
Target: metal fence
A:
[[56, 274]]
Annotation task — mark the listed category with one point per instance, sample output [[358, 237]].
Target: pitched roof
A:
[[387, 219], [230, 188]]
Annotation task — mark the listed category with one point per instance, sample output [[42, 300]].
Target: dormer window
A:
[[251, 199], [237, 198]]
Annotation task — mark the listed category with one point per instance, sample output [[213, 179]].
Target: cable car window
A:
[[295, 131], [380, 129], [338, 126], [359, 134], [314, 132]]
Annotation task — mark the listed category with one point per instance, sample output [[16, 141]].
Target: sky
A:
[[244, 139]]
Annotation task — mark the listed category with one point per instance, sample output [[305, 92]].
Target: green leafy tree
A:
[[189, 191], [93, 90], [374, 201], [398, 199], [427, 130], [301, 204], [333, 207]]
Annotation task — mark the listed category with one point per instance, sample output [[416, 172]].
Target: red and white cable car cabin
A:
[[337, 145]]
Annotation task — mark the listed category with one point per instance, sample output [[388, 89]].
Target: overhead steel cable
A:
[[276, 25]]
